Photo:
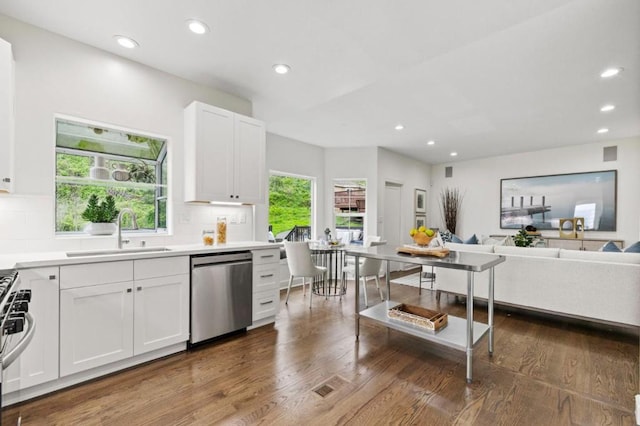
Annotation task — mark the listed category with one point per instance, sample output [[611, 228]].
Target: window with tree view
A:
[[290, 200], [349, 209], [102, 161]]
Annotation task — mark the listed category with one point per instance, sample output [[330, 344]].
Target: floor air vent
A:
[[333, 383], [323, 390]]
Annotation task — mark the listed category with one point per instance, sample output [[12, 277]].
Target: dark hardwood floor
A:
[[543, 372]]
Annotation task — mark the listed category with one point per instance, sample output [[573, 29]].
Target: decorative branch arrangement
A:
[[450, 202]]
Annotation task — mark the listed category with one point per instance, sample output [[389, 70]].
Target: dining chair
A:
[[301, 265], [368, 268]]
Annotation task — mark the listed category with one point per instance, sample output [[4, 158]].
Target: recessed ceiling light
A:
[[453, 154], [603, 130], [399, 127], [610, 72], [281, 68], [197, 27], [607, 108], [127, 42], [431, 143]]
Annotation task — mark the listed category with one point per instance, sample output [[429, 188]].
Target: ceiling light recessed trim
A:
[[197, 27], [607, 108], [603, 130], [126, 42], [454, 154], [611, 72], [281, 68], [399, 127]]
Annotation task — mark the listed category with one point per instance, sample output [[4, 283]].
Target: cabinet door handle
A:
[[266, 256], [237, 196], [231, 196], [266, 276], [52, 277], [266, 303], [129, 290], [139, 288]]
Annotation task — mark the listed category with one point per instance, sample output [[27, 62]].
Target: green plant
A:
[[141, 172], [100, 212], [522, 239]]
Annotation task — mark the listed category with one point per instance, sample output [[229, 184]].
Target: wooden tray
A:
[[418, 316], [424, 251]]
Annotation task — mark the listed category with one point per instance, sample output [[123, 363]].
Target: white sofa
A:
[[596, 286]]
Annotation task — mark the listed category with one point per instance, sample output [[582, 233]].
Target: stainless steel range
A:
[[17, 327]]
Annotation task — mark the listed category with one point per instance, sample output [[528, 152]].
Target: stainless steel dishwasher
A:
[[221, 294]]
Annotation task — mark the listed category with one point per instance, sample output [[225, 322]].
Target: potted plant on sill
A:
[[101, 215]]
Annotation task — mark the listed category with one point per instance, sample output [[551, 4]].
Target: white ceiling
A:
[[482, 78]]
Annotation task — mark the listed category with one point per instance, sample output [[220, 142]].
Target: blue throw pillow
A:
[[633, 248], [472, 240], [456, 239], [611, 247]]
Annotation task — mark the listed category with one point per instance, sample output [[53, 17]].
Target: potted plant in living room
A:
[[523, 239], [101, 215]]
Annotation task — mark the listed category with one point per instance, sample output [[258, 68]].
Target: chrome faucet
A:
[[134, 224]]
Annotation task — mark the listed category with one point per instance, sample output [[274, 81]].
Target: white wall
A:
[[479, 180], [352, 163], [411, 174], [298, 158], [53, 75]]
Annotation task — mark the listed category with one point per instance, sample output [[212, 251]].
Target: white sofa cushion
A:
[[601, 256], [527, 251], [469, 247], [488, 241]]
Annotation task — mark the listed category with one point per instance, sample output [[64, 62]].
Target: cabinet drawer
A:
[[260, 257], [265, 277], [265, 304], [73, 276], [161, 267]]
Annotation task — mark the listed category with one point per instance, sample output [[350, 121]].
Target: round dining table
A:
[[331, 257]]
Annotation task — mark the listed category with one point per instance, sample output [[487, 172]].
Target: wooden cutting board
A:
[[419, 251]]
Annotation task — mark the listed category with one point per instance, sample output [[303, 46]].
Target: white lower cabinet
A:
[[107, 322], [161, 312], [266, 285], [39, 362], [96, 326]]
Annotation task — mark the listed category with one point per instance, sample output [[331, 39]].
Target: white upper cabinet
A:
[[224, 156], [6, 117]]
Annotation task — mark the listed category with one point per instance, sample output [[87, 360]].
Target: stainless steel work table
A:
[[458, 334]]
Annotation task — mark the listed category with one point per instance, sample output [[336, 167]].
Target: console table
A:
[[459, 333], [584, 244]]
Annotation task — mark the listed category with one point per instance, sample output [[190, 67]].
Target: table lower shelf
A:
[[454, 335]]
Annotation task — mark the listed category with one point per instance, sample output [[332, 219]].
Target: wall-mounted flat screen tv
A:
[[541, 201]]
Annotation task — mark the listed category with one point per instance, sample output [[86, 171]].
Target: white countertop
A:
[[58, 258]]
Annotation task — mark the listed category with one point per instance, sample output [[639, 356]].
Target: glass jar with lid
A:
[[208, 237], [221, 228]]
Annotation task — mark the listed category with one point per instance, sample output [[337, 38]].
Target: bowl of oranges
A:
[[422, 236]]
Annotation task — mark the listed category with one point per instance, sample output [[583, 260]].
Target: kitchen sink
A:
[[117, 251]]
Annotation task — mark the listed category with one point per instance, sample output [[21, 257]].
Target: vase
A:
[[100, 228], [120, 173], [99, 171]]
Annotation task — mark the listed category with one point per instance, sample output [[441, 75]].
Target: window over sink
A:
[[96, 159]]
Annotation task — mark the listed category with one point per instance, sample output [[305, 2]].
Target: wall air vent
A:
[[610, 153], [448, 171]]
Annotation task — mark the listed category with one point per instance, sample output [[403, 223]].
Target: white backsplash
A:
[[27, 225]]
